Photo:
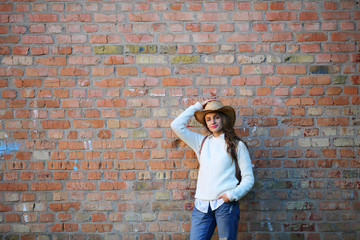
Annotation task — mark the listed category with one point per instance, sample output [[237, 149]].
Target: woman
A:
[[218, 189]]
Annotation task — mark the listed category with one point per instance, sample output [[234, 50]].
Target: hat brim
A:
[[228, 111]]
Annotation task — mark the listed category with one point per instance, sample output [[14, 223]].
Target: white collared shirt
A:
[[203, 205]]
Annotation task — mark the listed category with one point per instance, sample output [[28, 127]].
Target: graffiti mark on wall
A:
[[76, 167], [87, 145], [8, 147]]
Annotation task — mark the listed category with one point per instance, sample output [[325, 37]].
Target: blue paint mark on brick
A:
[[9, 147], [75, 167]]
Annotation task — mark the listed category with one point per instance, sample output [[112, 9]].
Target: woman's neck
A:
[[217, 134]]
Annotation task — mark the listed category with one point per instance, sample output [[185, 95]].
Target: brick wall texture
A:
[[89, 88]]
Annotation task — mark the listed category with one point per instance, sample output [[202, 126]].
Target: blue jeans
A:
[[226, 217]]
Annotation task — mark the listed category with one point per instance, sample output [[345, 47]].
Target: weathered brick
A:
[[157, 71], [181, 59], [245, 59], [299, 59], [299, 205], [140, 49], [167, 49], [148, 59], [247, 16], [309, 37], [17, 60], [108, 49]]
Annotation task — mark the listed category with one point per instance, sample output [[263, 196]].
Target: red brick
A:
[[88, 123], [34, 39], [71, 227], [276, 37], [280, 16], [316, 91], [62, 50], [43, 50], [158, 71], [291, 69], [351, 90], [341, 100], [308, 16], [45, 186], [245, 48], [6, 7], [243, 6], [8, 93], [5, 50], [110, 103], [194, 6], [106, 186], [263, 91], [247, 16], [331, 58], [57, 124], [229, 70], [57, 227], [85, 17], [96, 228], [297, 111], [176, 81], [194, 27], [13, 186], [336, 15], [98, 217], [311, 37], [12, 217], [330, 5], [242, 37], [312, 47], [339, 47], [260, 6], [4, 29], [144, 17], [277, 6], [210, 6], [281, 91], [73, 71], [206, 49], [333, 90], [26, 175], [137, 38], [261, 27], [339, 121], [7, 208]]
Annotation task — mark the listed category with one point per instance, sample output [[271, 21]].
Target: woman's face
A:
[[214, 123]]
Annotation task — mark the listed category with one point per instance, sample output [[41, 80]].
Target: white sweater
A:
[[217, 170]]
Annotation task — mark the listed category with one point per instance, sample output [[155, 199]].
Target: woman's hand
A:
[[224, 197], [203, 104]]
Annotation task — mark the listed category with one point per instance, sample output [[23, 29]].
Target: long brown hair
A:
[[231, 139]]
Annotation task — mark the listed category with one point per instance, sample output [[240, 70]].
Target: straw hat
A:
[[215, 106]]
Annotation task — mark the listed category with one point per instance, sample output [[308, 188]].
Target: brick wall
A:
[[89, 88]]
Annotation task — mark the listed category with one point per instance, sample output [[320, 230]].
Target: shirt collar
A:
[[222, 136]]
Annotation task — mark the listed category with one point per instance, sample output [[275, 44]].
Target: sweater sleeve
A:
[[247, 175], [192, 139]]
